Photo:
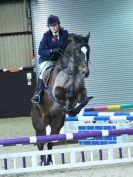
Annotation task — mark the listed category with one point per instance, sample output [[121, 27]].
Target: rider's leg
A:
[[40, 86], [38, 92]]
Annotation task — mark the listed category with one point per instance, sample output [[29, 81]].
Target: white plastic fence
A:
[[66, 158]]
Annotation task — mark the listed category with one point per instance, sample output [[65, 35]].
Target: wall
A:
[[16, 51], [16, 90], [15, 34], [111, 27]]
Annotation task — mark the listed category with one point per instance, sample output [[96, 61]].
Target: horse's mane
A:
[[76, 37], [72, 37]]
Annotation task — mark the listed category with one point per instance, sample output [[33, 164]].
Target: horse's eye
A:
[[79, 51]]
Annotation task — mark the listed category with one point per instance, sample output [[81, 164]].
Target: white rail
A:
[[24, 162]]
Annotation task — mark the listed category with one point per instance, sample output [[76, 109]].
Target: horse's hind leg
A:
[[41, 145], [40, 133], [45, 160], [56, 125], [38, 126]]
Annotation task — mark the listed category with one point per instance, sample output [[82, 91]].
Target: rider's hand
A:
[[55, 50], [55, 54]]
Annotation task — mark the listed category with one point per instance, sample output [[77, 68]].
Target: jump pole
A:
[[99, 118], [67, 136], [29, 161], [91, 113], [110, 107]]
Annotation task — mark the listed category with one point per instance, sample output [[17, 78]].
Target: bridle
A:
[[76, 48]]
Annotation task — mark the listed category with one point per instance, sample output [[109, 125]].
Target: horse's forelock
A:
[[77, 38], [71, 42]]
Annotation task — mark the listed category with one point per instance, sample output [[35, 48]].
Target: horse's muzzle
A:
[[86, 71]]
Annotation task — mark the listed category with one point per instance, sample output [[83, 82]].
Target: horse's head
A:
[[78, 50]]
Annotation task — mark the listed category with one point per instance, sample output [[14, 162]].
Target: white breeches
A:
[[43, 66]]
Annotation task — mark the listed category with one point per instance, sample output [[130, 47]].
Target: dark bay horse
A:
[[65, 88]]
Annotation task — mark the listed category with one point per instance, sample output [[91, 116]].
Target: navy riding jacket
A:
[[48, 42]]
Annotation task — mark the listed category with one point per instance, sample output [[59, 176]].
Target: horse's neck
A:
[[67, 61], [72, 66]]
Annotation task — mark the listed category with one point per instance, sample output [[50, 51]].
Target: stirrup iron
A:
[[33, 100]]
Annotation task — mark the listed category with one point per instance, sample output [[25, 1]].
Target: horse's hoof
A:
[[72, 113], [42, 163], [49, 163], [89, 98], [64, 110]]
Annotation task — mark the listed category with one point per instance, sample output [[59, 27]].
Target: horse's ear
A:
[[87, 37], [70, 37]]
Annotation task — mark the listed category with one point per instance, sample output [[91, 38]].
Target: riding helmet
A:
[[53, 20]]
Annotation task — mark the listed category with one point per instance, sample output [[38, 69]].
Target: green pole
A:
[[124, 106]]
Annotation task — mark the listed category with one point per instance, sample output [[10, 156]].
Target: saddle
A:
[[47, 74]]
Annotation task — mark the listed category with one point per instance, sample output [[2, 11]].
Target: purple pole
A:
[[67, 136]]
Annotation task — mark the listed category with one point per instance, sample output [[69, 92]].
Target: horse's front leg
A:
[[38, 125], [82, 99]]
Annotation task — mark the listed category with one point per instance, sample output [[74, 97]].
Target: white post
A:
[[91, 153], [34, 160], [129, 152], [14, 163], [110, 154], [73, 158]]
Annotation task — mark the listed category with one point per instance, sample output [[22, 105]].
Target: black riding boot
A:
[[38, 92]]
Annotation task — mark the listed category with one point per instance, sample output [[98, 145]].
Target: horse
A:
[[64, 89]]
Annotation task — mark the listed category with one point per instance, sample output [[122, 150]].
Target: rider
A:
[[49, 50]]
